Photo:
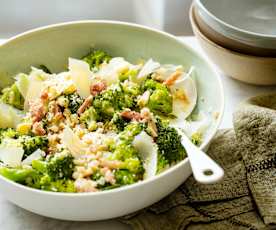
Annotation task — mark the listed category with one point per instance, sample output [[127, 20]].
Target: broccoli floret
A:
[[53, 174], [130, 131], [130, 88], [131, 92], [114, 99], [151, 84], [125, 177], [74, 102], [31, 144], [169, 144], [60, 166], [12, 96], [8, 133], [134, 165], [160, 100], [124, 151], [109, 101], [63, 185], [106, 103], [44, 182], [35, 179], [119, 122], [96, 57], [89, 117]]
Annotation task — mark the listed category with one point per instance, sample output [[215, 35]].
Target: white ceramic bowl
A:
[[229, 43], [251, 22], [52, 46], [246, 68]]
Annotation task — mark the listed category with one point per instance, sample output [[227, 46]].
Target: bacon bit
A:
[[37, 110], [98, 87], [44, 96], [87, 102], [172, 78], [131, 115], [38, 129]]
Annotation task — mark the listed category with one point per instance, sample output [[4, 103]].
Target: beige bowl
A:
[[247, 68], [227, 42]]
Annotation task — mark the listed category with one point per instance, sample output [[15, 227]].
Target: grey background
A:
[[20, 15]]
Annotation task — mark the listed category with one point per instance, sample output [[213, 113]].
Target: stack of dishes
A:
[[239, 37]]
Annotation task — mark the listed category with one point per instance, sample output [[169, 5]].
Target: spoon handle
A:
[[205, 170]]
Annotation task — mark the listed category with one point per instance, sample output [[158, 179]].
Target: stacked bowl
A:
[[239, 37]]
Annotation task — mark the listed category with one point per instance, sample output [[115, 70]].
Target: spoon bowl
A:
[[205, 170]]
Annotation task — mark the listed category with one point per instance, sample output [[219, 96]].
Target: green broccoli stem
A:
[[16, 174]]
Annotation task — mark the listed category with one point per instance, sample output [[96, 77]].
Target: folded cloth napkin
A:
[[245, 198]]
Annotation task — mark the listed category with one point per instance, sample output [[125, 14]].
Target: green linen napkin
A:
[[245, 198]]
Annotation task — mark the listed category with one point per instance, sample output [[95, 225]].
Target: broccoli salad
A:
[[102, 124]]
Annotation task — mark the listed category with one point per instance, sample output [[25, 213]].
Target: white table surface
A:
[[15, 218]]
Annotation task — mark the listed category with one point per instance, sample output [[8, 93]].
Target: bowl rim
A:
[[232, 27], [156, 177], [203, 36]]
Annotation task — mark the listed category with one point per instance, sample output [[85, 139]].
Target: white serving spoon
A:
[[205, 170]]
